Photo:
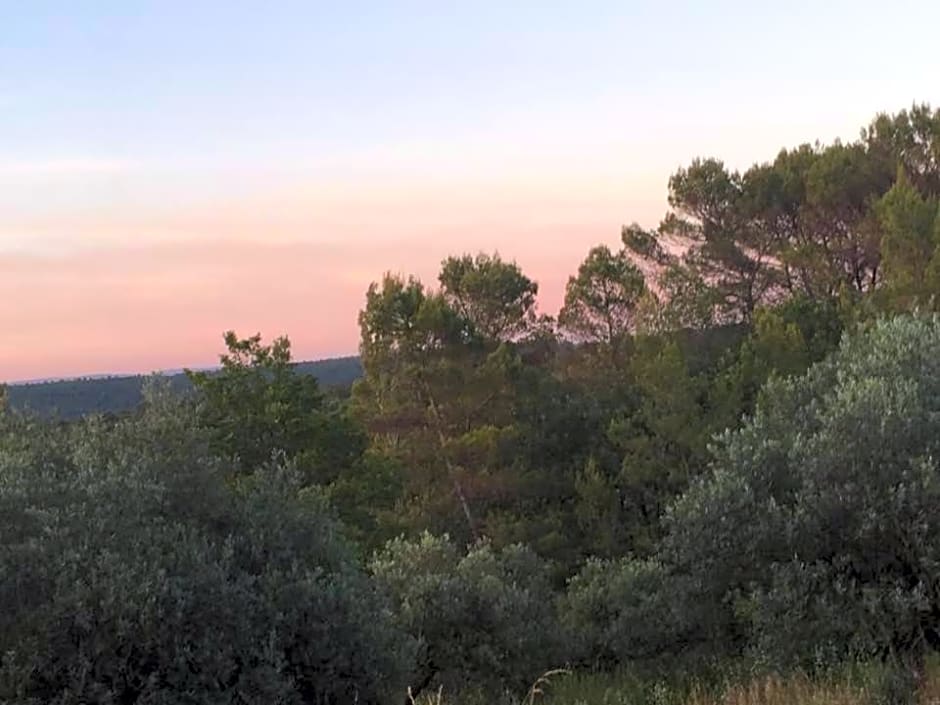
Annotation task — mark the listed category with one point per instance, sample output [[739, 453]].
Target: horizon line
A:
[[170, 371]]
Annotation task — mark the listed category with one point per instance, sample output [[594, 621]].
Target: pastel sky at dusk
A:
[[170, 170]]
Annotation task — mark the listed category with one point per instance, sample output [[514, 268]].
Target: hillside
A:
[[69, 399]]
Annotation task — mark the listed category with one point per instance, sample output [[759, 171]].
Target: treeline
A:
[[686, 466], [73, 398]]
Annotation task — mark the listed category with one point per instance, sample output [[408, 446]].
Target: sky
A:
[[173, 169]]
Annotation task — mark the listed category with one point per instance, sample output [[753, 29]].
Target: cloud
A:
[[63, 167]]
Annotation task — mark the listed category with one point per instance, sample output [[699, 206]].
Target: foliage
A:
[[619, 611], [783, 341], [815, 537], [689, 448], [131, 572], [601, 301], [434, 396], [911, 223], [73, 398], [662, 440], [806, 224], [494, 296], [257, 404], [483, 620]]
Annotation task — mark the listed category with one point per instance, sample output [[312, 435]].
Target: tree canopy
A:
[[724, 449]]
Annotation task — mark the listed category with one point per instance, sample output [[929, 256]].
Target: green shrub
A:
[[131, 572], [817, 536], [620, 611], [484, 620]]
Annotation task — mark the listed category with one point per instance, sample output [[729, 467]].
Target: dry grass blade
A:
[[538, 688], [436, 699]]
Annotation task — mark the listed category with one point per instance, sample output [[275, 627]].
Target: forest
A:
[[712, 478], [116, 394]]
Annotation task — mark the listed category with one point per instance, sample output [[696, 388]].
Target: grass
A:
[[773, 690], [856, 685]]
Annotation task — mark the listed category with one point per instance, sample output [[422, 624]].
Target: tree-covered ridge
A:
[[723, 450], [73, 398]]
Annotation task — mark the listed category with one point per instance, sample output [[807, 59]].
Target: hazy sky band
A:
[[169, 170]]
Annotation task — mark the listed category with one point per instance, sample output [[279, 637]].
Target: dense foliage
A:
[[818, 531], [725, 447], [74, 398], [483, 619], [130, 572]]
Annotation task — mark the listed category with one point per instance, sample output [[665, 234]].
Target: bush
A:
[[620, 611], [817, 536], [131, 572], [484, 620]]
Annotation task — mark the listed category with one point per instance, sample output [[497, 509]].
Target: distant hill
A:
[[69, 399]]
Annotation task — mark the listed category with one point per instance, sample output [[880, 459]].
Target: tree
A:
[[484, 620], [684, 301], [909, 140], [258, 404], [662, 439], [815, 538], [801, 225], [494, 296], [911, 225], [599, 512], [435, 396], [601, 301], [560, 429], [132, 571], [621, 611], [842, 184], [711, 224], [774, 346]]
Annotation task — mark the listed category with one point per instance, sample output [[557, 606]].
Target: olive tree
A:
[[816, 537], [132, 571], [618, 611], [484, 620]]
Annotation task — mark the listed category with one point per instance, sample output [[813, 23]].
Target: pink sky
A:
[[123, 266], [184, 168], [295, 262]]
